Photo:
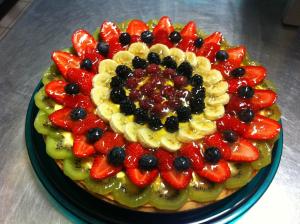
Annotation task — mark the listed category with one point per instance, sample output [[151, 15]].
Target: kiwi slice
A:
[[56, 150], [74, 169], [265, 155], [43, 102], [126, 193], [102, 187], [51, 74], [44, 126], [165, 197], [202, 190], [241, 177]]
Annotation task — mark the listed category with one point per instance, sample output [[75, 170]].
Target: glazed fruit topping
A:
[[72, 88], [94, 134], [116, 156], [148, 162], [212, 155], [78, 113]]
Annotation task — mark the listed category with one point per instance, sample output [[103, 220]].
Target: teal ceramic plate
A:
[[81, 207]]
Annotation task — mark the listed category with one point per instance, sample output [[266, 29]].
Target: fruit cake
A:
[[157, 116]]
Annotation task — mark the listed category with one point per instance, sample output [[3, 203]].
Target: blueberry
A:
[[94, 134], [138, 62], [184, 114], [198, 92], [127, 107], [124, 38], [230, 136], [147, 37], [116, 156], [169, 62], [103, 48], [246, 115], [140, 116], [153, 58], [172, 124], [212, 155], [197, 105], [117, 95], [197, 80], [185, 69], [123, 71], [154, 123], [245, 92], [238, 72], [116, 81], [198, 42], [222, 55], [148, 162], [86, 64], [182, 163], [72, 88], [78, 113], [175, 37]]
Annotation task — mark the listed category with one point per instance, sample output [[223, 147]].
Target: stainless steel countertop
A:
[[48, 25]]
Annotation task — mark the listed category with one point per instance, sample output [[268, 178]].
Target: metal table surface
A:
[[48, 25]]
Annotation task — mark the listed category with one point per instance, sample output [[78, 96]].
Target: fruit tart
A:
[[157, 116]]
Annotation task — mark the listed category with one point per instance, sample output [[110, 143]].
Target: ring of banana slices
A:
[[199, 125]]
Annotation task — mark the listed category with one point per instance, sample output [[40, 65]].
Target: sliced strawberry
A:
[[56, 91], [208, 50], [189, 31], [162, 30], [262, 98], [215, 172], [108, 141], [254, 74], [109, 32], [216, 140], [83, 42], [135, 38], [225, 67], [187, 44], [243, 151], [101, 168], [231, 122], [262, 128], [165, 160], [215, 37], [233, 83], [236, 55], [114, 47], [61, 118], [64, 61], [81, 148], [141, 178], [236, 103], [178, 180], [133, 152], [90, 121], [192, 151], [136, 27], [95, 59], [82, 78], [79, 100]]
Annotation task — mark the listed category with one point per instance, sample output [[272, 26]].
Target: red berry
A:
[[132, 82], [146, 104], [147, 89], [153, 69], [157, 98], [169, 73], [174, 103], [180, 81], [167, 91], [134, 94], [160, 110], [138, 73]]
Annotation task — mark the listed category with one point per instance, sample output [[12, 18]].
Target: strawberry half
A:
[[236, 55], [64, 61], [165, 160], [188, 35], [109, 32], [215, 37], [178, 180], [95, 59], [216, 140], [61, 118], [162, 31], [243, 151], [231, 122], [81, 148], [108, 141], [141, 178], [90, 121], [83, 42], [209, 50], [136, 27], [114, 47], [254, 74], [192, 151], [133, 153], [262, 128], [216, 172], [82, 78], [101, 168]]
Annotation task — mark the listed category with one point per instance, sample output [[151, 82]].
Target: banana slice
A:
[[100, 94], [108, 66], [205, 127], [212, 77], [148, 138], [178, 55], [214, 112], [124, 58], [187, 134], [118, 122], [160, 49], [106, 109], [203, 65], [130, 131], [170, 142], [102, 79], [218, 89], [191, 58], [139, 49], [223, 99]]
